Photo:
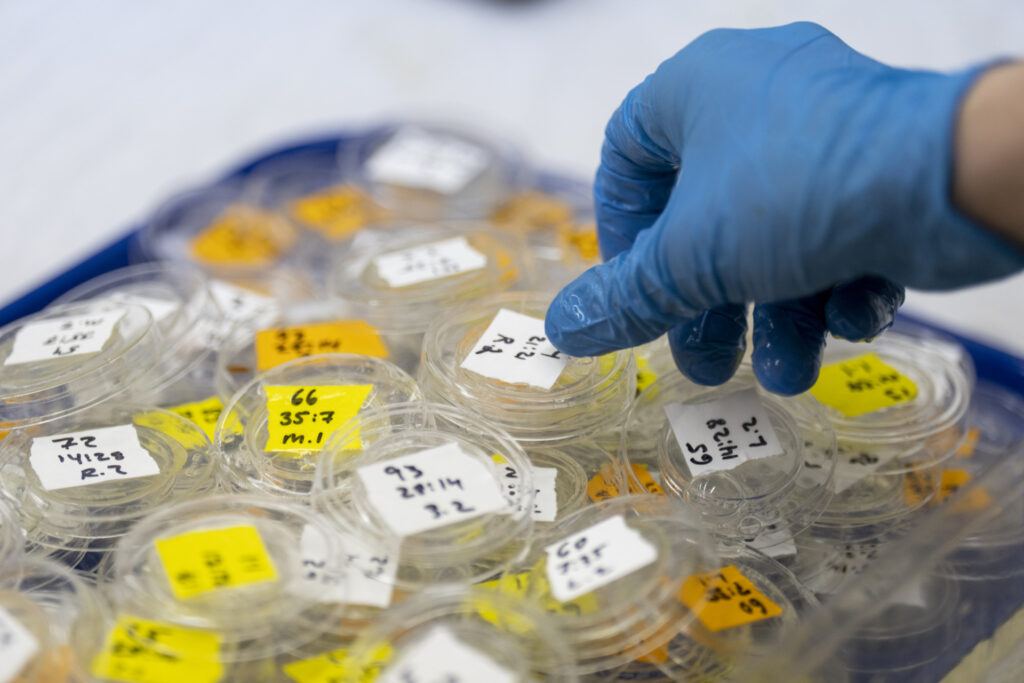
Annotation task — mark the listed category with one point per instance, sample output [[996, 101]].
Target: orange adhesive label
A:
[[336, 212], [281, 344], [531, 211], [600, 487], [583, 240], [647, 482], [726, 599], [966, 449], [241, 236]]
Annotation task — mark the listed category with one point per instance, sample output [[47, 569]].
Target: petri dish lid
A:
[[83, 480], [589, 396], [433, 171], [782, 489], [486, 635], [181, 304], [565, 470], [12, 542], [220, 229], [41, 390], [928, 427], [401, 277], [439, 542], [627, 608], [192, 564], [342, 384]]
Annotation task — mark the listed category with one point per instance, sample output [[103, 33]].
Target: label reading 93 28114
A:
[[75, 335], [91, 456], [720, 435]]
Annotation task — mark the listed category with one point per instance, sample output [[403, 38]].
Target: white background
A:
[[106, 106]]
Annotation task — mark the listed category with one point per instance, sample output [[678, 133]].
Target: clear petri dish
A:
[[223, 231], [467, 634], [891, 450], [992, 552], [456, 523], [433, 171], [271, 443], [12, 543], [401, 277], [190, 566], [79, 483], [748, 482], [54, 608], [186, 317], [572, 399], [753, 604], [562, 476], [610, 576], [556, 220], [293, 333], [69, 358]]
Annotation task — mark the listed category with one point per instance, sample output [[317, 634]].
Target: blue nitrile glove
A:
[[781, 167]]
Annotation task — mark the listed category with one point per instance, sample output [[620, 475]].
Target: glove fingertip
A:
[[709, 348], [785, 376]]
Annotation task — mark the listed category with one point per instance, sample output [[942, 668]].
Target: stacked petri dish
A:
[[68, 358], [401, 277], [272, 431], [45, 609], [735, 455], [79, 483], [898, 407], [181, 576], [427, 480], [457, 634], [433, 172], [493, 358]]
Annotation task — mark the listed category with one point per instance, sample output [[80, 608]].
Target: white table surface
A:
[[106, 106]]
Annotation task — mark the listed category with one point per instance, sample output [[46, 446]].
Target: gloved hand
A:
[[775, 166]]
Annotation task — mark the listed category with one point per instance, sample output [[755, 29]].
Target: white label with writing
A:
[[240, 307], [159, 309], [720, 435], [852, 465], [91, 456], [362, 575], [428, 262], [545, 500], [17, 647], [515, 349], [596, 556], [416, 158], [440, 657], [431, 489], [74, 335]]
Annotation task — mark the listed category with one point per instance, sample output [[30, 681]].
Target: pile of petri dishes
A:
[[318, 433]]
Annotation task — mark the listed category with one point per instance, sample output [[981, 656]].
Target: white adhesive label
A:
[[850, 560], [91, 456], [775, 540], [545, 500], [596, 556], [852, 465], [75, 335], [515, 349], [17, 647], [159, 309], [362, 575], [720, 435], [431, 489], [415, 158], [440, 657], [240, 307], [428, 262]]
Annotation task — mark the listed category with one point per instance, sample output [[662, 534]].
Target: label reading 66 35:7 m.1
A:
[[716, 436]]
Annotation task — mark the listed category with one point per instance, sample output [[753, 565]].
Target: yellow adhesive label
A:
[[339, 665], [241, 236], [301, 419], [645, 377], [336, 212], [141, 651], [188, 434], [726, 599], [531, 211], [532, 585], [582, 239], [970, 442], [646, 480], [600, 486], [205, 414], [199, 562], [862, 385], [281, 344]]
